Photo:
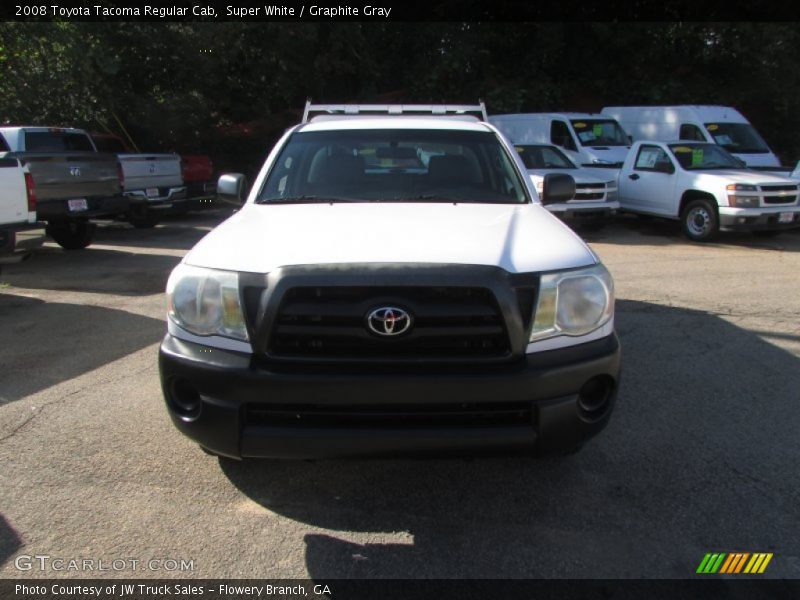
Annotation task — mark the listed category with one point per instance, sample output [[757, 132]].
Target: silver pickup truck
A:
[[73, 182], [153, 182]]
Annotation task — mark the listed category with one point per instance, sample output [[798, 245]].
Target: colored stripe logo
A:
[[734, 563]]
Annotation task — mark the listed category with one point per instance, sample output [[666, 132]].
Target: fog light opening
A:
[[594, 398], [185, 398]]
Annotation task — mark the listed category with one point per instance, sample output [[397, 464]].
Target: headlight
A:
[[611, 190], [741, 187], [743, 201], [206, 302], [573, 303]]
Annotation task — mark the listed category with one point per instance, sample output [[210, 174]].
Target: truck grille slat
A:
[[390, 416], [330, 322]]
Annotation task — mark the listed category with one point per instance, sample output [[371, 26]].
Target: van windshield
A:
[[741, 138], [393, 165], [702, 157], [541, 156], [599, 132]]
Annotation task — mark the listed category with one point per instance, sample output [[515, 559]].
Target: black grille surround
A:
[[780, 199], [462, 314], [778, 188]]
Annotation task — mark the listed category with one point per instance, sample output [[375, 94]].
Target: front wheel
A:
[[72, 235], [699, 221]]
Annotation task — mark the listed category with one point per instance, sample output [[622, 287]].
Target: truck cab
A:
[[590, 140]]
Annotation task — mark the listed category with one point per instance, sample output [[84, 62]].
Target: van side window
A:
[[652, 158], [560, 135], [691, 132]]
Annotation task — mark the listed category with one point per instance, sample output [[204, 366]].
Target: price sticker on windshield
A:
[[597, 130], [697, 157]]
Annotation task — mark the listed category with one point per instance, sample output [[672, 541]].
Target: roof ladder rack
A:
[[395, 109]]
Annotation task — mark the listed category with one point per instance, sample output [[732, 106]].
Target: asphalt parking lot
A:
[[701, 454]]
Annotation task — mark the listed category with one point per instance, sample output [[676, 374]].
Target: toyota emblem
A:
[[388, 321]]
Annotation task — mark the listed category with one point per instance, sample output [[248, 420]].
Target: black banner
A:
[[388, 589], [398, 10]]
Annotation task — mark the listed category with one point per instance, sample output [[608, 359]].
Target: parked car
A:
[[198, 176], [152, 181], [590, 140], [363, 302], [74, 183], [722, 125], [706, 188], [595, 199], [20, 232]]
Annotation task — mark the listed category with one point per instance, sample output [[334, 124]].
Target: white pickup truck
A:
[[152, 181], [368, 301], [20, 233], [707, 189], [595, 199]]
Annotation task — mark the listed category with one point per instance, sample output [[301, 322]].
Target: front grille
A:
[[330, 322], [390, 416], [779, 188], [589, 186], [779, 199], [590, 196]]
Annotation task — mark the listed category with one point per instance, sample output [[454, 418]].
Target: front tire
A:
[[699, 221], [72, 235]]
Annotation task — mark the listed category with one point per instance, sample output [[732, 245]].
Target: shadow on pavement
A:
[[630, 230], [94, 270], [9, 540], [54, 342], [699, 456]]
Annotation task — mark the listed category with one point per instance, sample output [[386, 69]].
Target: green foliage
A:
[[229, 89]]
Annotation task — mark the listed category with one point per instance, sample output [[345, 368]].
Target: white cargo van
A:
[[720, 125], [590, 140]]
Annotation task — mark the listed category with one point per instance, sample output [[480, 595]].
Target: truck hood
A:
[[743, 176], [519, 238], [610, 154], [579, 175]]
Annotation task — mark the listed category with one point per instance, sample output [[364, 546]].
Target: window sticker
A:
[[579, 125], [597, 129], [723, 140], [697, 157], [681, 149], [712, 127], [647, 158], [586, 136], [519, 149]]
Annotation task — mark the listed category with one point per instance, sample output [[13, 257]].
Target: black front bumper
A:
[[237, 402]]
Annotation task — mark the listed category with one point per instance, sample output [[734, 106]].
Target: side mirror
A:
[[557, 187], [231, 188]]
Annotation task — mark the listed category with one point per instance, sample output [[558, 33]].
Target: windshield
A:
[[599, 132], [403, 165], [741, 138], [543, 157], [699, 157]]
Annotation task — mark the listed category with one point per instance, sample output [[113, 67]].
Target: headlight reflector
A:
[[573, 303], [743, 201], [206, 302]]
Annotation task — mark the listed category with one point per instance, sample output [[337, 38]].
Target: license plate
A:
[[77, 204], [151, 192], [785, 217]]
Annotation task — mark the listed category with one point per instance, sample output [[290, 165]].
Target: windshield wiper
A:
[[302, 200], [427, 198]]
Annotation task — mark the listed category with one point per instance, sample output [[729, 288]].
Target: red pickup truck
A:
[[198, 177]]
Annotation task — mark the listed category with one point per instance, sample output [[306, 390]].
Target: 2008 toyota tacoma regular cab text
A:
[[392, 285]]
